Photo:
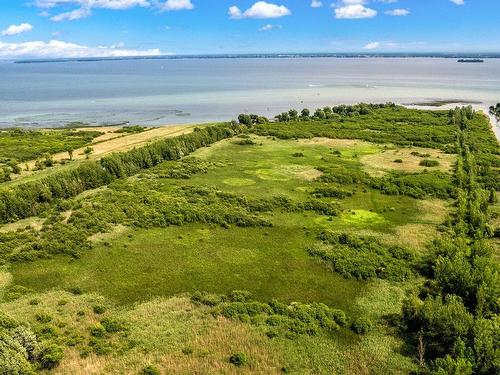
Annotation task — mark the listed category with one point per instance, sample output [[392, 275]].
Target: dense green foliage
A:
[[31, 144], [279, 318], [451, 314], [385, 123], [17, 146], [273, 216], [364, 258], [31, 198], [22, 351]]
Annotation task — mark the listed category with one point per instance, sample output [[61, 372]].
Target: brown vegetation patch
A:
[[401, 159], [113, 233], [330, 142], [432, 211], [34, 222]]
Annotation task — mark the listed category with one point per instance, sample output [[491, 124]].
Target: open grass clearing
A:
[[402, 160]]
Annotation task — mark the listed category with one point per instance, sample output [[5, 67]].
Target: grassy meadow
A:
[[323, 235]]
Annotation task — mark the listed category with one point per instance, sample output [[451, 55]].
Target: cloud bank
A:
[[60, 49]]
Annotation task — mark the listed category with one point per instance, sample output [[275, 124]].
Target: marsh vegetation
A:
[[262, 247]]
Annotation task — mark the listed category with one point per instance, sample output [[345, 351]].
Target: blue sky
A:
[[70, 28]]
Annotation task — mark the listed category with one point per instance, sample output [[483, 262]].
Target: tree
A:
[[319, 114], [293, 114], [89, 150], [305, 114], [70, 153], [495, 111], [245, 119]]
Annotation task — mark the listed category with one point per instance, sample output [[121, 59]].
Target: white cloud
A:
[[177, 5], [234, 12], [71, 16], [398, 12], [60, 49], [372, 45], [84, 7], [354, 9], [266, 27], [17, 29], [105, 4], [316, 4], [260, 9], [458, 2]]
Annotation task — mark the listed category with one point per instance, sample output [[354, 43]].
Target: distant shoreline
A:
[[270, 56]]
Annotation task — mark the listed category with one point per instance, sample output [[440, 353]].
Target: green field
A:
[[328, 247]]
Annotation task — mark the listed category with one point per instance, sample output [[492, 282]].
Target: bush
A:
[[43, 317], [98, 330], [99, 309], [27, 339], [246, 142], [76, 291], [429, 163], [239, 296], [50, 356], [238, 359], [362, 326], [298, 155], [399, 161], [112, 325], [150, 370], [13, 357], [6, 321]]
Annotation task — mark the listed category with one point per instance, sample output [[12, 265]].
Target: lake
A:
[[174, 91]]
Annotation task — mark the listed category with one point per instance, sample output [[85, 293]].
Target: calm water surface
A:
[[159, 92]]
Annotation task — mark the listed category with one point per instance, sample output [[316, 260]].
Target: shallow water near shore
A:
[[159, 92]]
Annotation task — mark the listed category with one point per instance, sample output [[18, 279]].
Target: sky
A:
[[109, 28]]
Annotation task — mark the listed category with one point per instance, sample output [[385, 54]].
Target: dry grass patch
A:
[[301, 172], [330, 142], [432, 211], [116, 231], [378, 164], [416, 236], [117, 142], [34, 222]]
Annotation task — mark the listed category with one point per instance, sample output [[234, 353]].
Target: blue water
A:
[[160, 92]]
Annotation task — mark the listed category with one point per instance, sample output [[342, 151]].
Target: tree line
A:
[[454, 319], [32, 198]]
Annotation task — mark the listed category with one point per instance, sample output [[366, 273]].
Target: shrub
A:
[[238, 359], [451, 366], [98, 330], [399, 161], [50, 356], [112, 325], [246, 142], [150, 370], [429, 163], [43, 317], [298, 155], [76, 291], [239, 296], [27, 339], [6, 321], [99, 309], [362, 326], [13, 358]]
